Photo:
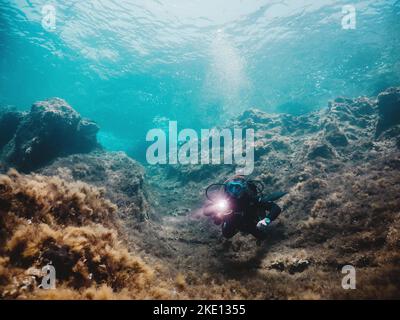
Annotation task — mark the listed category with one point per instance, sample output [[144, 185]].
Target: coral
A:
[[389, 109]]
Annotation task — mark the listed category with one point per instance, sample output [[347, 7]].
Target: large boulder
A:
[[121, 177], [52, 128], [9, 122], [389, 109]]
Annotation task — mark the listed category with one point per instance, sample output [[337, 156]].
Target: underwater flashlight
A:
[[222, 204]]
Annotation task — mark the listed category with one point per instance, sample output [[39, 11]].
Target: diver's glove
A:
[[263, 224]]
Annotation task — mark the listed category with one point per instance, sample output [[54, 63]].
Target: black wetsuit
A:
[[247, 211]]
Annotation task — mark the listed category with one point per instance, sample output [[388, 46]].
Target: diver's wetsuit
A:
[[247, 212]]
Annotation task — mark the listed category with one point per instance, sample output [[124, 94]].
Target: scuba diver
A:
[[239, 205]]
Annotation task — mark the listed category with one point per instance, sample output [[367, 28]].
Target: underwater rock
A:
[[321, 151], [347, 113], [335, 213], [277, 265], [343, 100], [364, 107], [9, 121], [255, 115], [291, 266], [341, 111], [298, 266], [52, 128], [261, 149], [87, 131], [195, 173], [337, 138], [72, 226], [393, 132], [180, 212], [389, 109], [120, 176]]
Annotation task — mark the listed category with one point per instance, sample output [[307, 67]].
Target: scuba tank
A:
[[236, 188]]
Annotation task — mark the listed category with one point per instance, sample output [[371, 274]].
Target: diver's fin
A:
[[274, 196]]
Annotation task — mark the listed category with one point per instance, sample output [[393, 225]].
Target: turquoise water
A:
[[132, 65]]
